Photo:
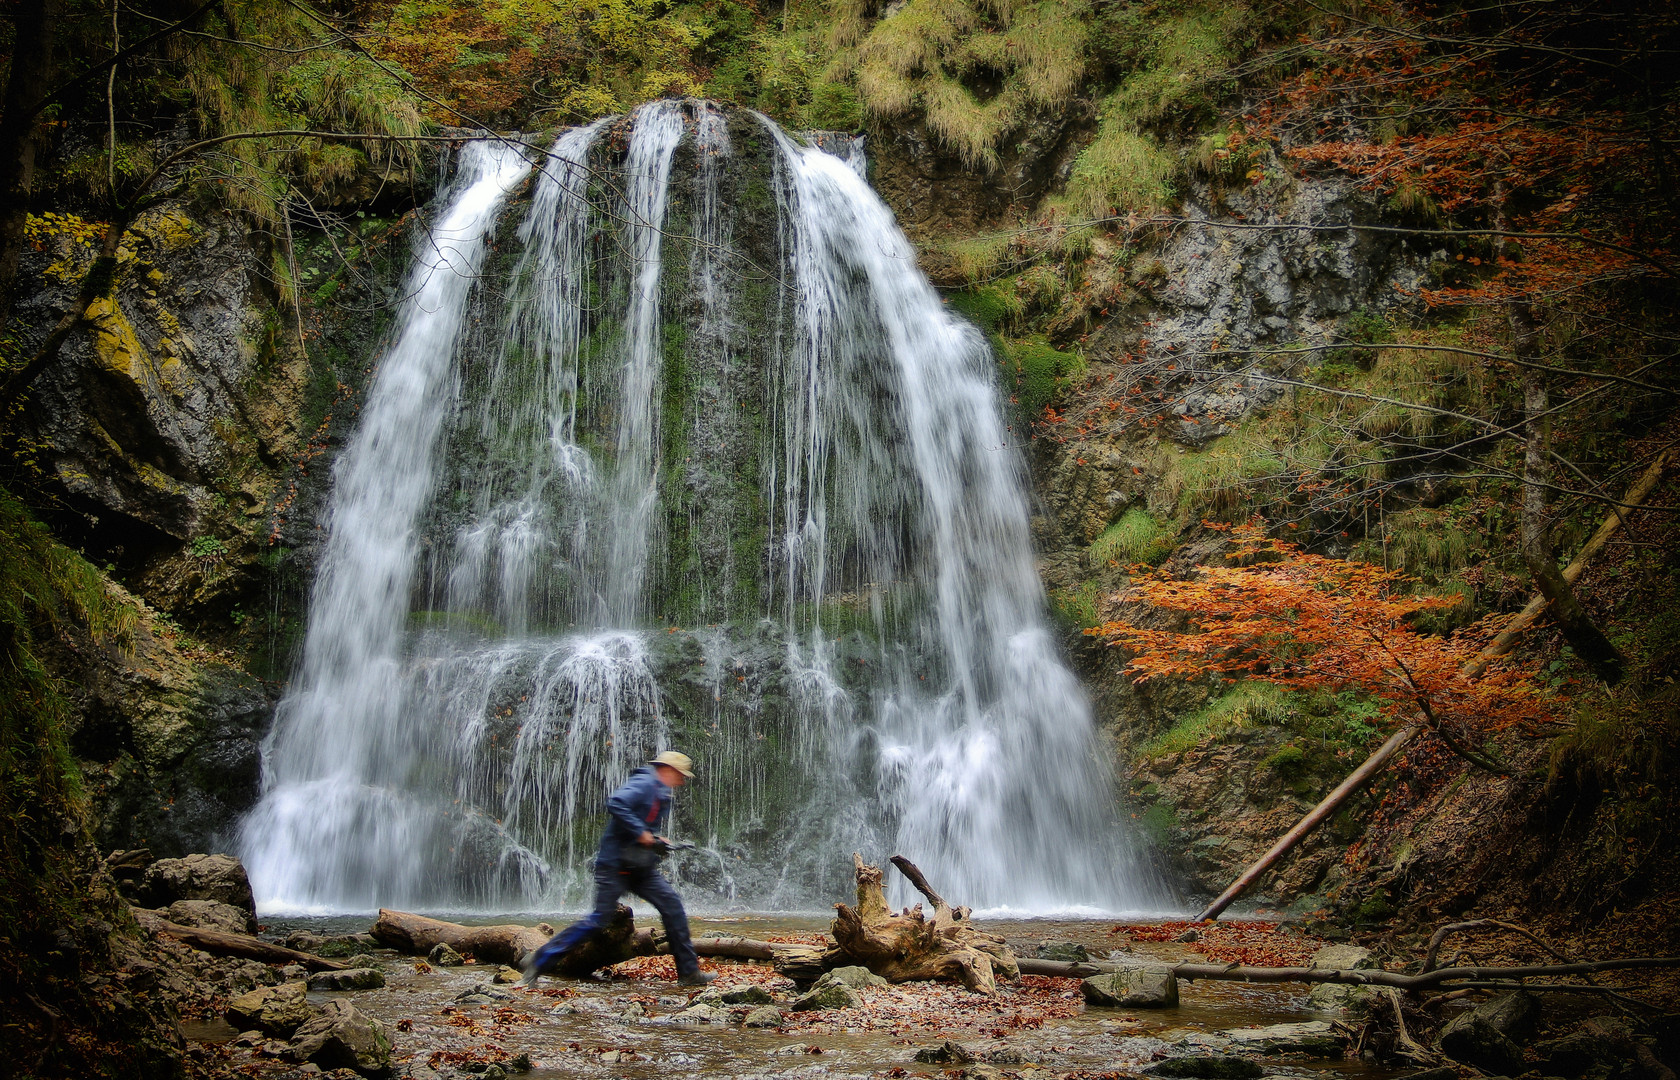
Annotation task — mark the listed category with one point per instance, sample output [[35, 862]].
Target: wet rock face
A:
[[934, 193], [340, 1037], [144, 410]]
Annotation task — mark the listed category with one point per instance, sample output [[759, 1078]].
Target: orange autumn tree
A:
[[1307, 622]]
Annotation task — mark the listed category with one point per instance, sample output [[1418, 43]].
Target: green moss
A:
[[1159, 824], [1039, 371], [1136, 538], [987, 307], [1288, 761], [1249, 704]]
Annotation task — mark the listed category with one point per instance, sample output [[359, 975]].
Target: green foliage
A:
[[1136, 538], [1248, 704], [1173, 68], [272, 67], [976, 70], [992, 309], [1077, 608], [208, 547]]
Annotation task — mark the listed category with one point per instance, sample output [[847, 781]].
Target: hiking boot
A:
[[695, 978]]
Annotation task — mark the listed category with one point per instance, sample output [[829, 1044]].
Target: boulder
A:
[[765, 1016], [1067, 952], [1512, 1015], [1341, 999], [1574, 1054], [1473, 1041], [948, 1052], [854, 977], [340, 1037], [1207, 1067], [197, 877], [1147, 986], [273, 1010], [747, 995], [211, 915], [444, 956], [305, 941], [1315, 1037], [482, 994], [365, 978], [1343, 957], [701, 1014], [505, 975], [827, 995]]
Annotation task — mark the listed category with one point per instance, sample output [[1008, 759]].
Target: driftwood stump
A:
[[907, 946]]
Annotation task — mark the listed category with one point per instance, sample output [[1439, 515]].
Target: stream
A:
[[624, 1027]]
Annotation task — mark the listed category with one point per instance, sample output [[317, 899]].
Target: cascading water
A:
[[723, 475]]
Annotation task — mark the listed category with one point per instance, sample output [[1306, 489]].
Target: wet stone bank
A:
[[471, 1021]]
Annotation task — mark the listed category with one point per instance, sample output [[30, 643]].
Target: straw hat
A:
[[678, 761]]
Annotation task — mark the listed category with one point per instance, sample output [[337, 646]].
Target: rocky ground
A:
[[446, 1017]]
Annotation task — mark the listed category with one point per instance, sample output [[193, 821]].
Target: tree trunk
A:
[[1587, 639], [224, 944], [1507, 637], [907, 946], [417, 934]]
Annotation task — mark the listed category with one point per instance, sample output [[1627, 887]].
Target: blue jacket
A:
[[643, 803]]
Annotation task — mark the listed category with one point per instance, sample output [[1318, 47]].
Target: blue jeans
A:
[[612, 882]]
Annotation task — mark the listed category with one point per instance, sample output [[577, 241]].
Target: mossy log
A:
[[907, 946], [417, 934]]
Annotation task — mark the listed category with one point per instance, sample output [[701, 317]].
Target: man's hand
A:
[[646, 839]]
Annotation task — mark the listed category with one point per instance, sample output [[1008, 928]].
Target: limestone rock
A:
[[1343, 957], [211, 915], [506, 975], [1341, 999], [765, 1016], [701, 1014], [273, 1010], [1207, 1067], [482, 994], [1067, 952], [1512, 1015], [1314, 1037], [340, 1037], [747, 995], [1146, 986], [827, 995], [197, 877], [855, 977], [444, 956], [365, 978]]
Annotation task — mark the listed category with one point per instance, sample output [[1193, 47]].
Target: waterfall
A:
[[711, 467]]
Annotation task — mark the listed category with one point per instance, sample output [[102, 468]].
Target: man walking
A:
[[629, 862]]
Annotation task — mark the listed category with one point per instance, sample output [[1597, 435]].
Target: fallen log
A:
[[620, 940], [1439, 979], [221, 943], [417, 934], [906, 947], [1331, 802]]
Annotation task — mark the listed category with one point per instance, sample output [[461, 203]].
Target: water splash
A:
[[731, 478]]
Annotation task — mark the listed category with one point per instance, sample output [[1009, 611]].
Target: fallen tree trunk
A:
[[1439, 979], [1355, 780], [908, 947], [221, 943], [618, 941], [417, 934]]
